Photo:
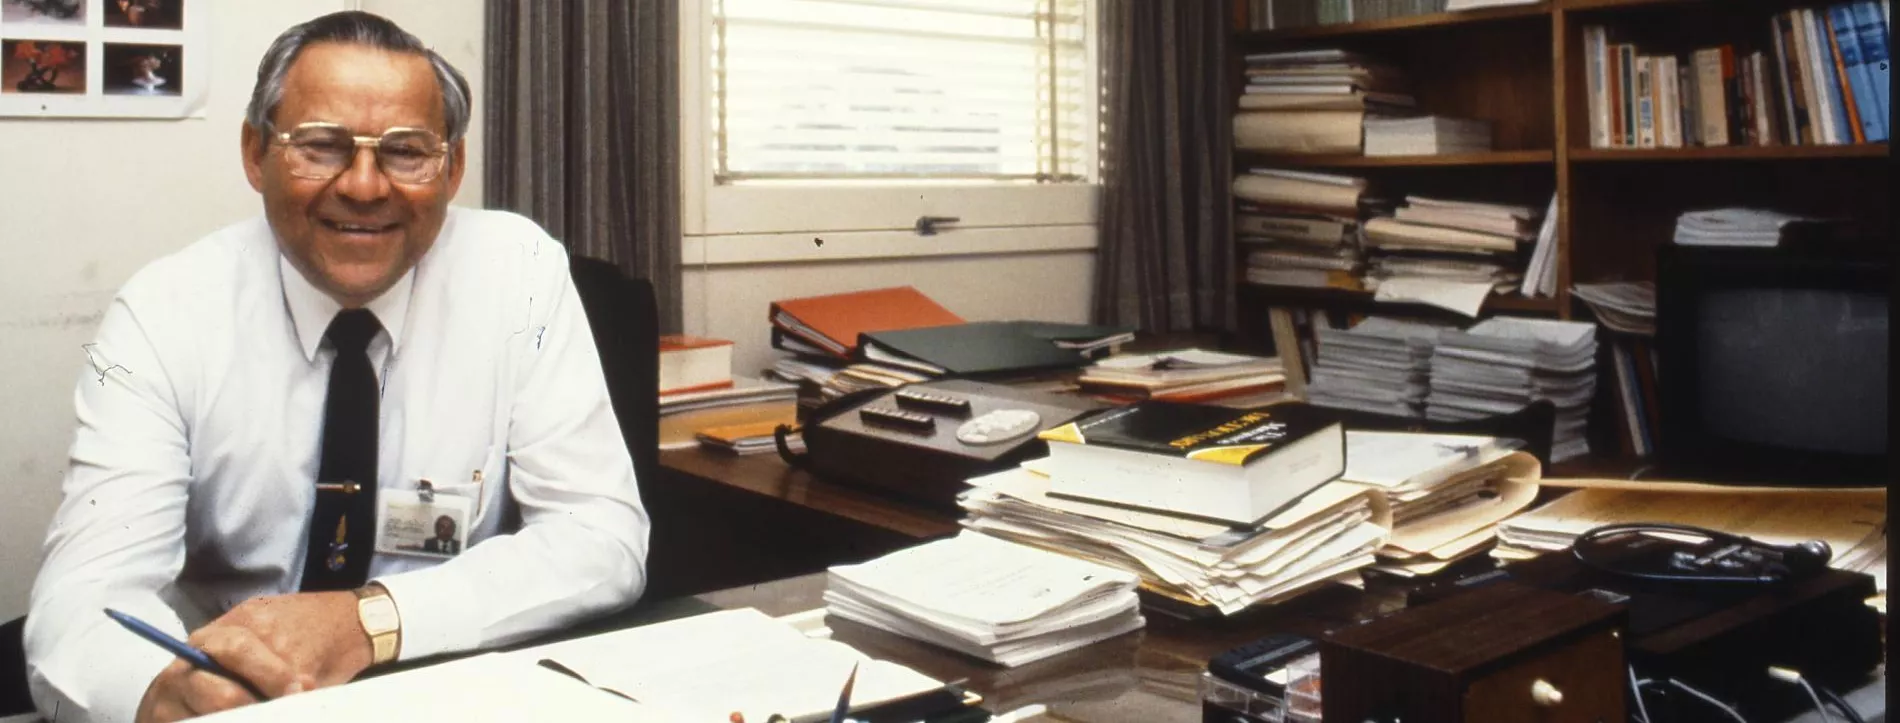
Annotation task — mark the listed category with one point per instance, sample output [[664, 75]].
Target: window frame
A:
[[761, 223]]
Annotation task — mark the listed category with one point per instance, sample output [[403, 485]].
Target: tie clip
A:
[[346, 487]]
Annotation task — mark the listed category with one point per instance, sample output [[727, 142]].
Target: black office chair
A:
[[624, 318], [14, 699]]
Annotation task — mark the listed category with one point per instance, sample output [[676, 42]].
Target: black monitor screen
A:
[[1794, 368]]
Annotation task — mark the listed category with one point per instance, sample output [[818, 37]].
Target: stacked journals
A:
[[1747, 227], [1426, 136], [1381, 366], [1285, 14], [1818, 77], [1329, 533], [987, 598], [1448, 493], [1187, 375], [746, 401], [1314, 101], [1451, 241], [1629, 309], [1502, 364], [1299, 228]]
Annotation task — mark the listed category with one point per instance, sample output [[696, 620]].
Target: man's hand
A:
[[285, 644]]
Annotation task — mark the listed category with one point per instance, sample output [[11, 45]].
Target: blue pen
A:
[[197, 658]]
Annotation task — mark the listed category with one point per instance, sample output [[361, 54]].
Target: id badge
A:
[[423, 522]]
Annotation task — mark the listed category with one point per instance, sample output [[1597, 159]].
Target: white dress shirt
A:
[[200, 422]]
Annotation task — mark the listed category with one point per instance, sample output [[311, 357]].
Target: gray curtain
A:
[[583, 130], [1166, 256]]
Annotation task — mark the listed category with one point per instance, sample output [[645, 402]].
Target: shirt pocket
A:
[[483, 486]]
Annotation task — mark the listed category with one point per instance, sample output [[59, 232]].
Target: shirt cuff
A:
[[111, 686], [439, 613]]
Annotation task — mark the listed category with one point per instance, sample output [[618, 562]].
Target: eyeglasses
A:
[[320, 151]]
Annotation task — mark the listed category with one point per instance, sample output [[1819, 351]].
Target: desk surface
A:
[[1148, 675]]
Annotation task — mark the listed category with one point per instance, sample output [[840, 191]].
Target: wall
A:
[[85, 204]]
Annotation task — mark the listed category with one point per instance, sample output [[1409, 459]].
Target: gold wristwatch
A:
[[377, 612]]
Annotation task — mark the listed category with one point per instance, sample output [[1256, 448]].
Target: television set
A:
[[1772, 365]]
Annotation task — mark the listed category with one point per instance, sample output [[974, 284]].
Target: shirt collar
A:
[[311, 310]]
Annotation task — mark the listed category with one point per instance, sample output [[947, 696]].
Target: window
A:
[[807, 116]]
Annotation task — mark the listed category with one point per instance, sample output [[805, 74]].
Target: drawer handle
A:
[[1545, 694]]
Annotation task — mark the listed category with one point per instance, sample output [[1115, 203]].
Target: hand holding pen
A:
[[175, 694]]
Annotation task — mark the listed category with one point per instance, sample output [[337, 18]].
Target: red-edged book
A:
[[694, 363]]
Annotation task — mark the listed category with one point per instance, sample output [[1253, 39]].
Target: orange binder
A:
[[834, 322]]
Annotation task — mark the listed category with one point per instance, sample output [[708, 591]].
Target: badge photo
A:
[[423, 522]]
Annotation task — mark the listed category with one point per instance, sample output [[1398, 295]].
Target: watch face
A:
[[378, 615]]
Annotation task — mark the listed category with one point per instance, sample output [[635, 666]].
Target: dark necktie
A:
[[343, 524]]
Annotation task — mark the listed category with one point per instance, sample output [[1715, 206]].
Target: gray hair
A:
[[357, 28]]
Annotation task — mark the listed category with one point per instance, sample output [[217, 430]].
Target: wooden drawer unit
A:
[[1504, 653]]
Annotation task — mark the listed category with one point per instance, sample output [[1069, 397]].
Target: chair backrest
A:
[[625, 322], [14, 697]]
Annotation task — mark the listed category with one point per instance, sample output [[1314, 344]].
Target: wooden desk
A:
[[1147, 675]]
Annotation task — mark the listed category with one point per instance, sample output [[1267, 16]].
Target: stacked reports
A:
[[1381, 366], [1746, 227], [1218, 509], [1453, 241], [1315, 101], [1500, 365], [1300, 229], [1000, 601]]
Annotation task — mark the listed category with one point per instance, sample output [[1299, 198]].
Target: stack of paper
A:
[[1329, 533], [1300, 228], [1540, 276], [1447, 493], [988, 598], [1426, 135], [1451, 254], [1314, 101], [746, 401], [705, 668], [1500, 365], [1381, 366], [1188, 375], [1853, 522], [1733, 227], [1625, 306]]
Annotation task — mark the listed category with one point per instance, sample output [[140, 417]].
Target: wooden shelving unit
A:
[[1728, 153], [1489, 158], [1522, 68], [1412, 22]]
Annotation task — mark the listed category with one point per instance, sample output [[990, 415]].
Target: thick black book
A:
[[1237, 466]]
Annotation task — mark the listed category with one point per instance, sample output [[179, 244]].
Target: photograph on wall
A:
[[50, 67], [156, 14], [43, 12], [104, 58], [136, 69]]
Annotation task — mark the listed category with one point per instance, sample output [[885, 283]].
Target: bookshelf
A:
[[1523, 68]]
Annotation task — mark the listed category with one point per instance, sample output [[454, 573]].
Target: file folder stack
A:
[[1381, 366], [1188, 375], [988, 598], [1329, 534], [1448, 493], [1500, 365]]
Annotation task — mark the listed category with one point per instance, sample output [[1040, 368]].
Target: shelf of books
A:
[[1729, 153], [1473, 158]]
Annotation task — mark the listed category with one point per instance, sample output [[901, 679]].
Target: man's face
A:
[[355, 235], [444, 528]]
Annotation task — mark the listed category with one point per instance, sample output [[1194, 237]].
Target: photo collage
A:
[[94, 48]]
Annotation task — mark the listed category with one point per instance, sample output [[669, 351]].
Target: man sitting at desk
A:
[[256, 403]]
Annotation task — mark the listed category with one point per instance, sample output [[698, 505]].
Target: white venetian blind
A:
[[985, 90]]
